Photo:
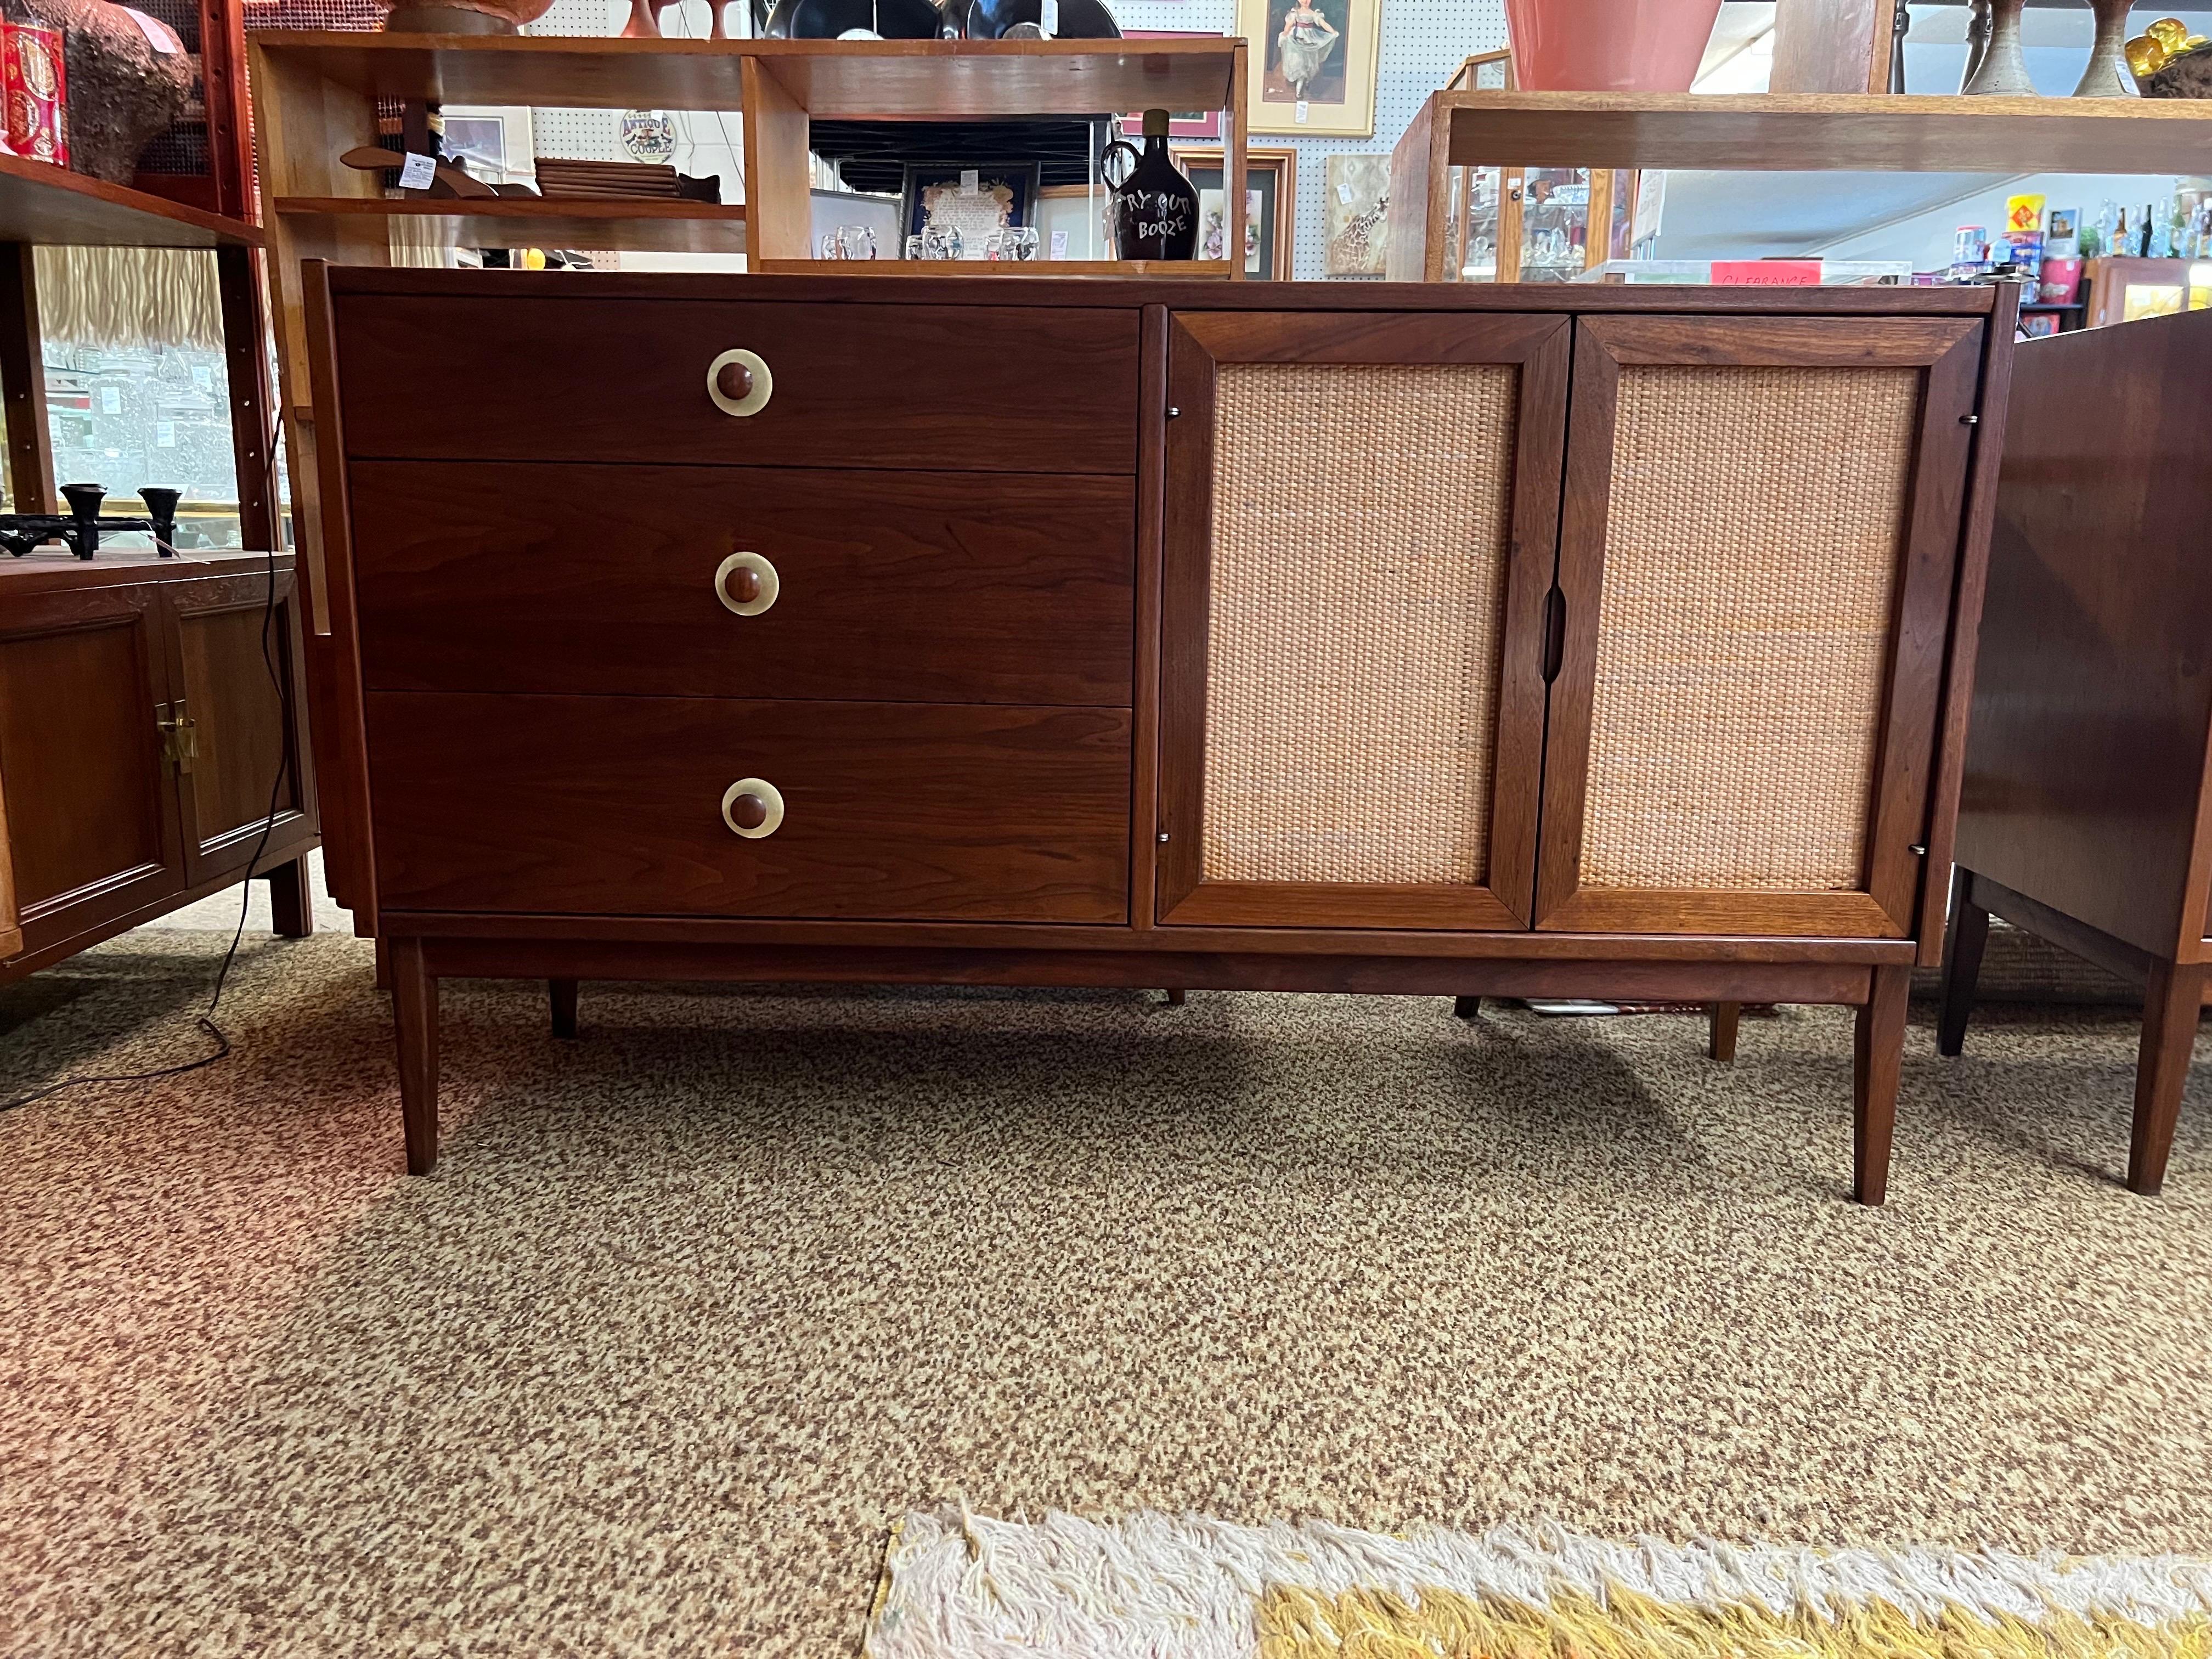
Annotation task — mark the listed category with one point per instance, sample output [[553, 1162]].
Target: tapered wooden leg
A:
[[1962, 961], [564, 1006], [382, 964], [1720, 1036], [1466, 1007], [292, 908], [415, 1011], [1878, 1056], [2171, 1005]]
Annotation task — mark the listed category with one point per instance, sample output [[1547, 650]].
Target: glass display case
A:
[[1535, 224]]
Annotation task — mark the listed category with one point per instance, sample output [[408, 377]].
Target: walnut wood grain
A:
[[2173, 1004], [606, 805], [922, 586], [1878, 1045], [968, 388], [234, 680], [414, 1016]]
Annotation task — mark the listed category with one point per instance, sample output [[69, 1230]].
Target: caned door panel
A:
[[1362, 518], [1757, 554]]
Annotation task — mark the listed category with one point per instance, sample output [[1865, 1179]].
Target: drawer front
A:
[[923, 586], [970, 388], [614, 806]]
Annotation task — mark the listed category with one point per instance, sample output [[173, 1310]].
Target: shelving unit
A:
[[1833, 132]]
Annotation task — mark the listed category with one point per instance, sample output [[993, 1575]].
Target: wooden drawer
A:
[[973, 388], [927, 587], [613, 806]]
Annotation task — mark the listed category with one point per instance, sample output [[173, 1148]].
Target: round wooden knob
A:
[[734, 381], [748, 812], [752, 807], [746, 584], [738, 382]]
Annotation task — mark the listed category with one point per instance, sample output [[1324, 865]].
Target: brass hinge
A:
[[181, 741]]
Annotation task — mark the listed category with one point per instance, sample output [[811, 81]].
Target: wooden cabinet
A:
[[2087, 816], [140, 736], [1522, 641]]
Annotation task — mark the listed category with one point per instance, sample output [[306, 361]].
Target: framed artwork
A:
[[1357, 215], [955, 207], [1204, 125], [1312, 65], [1270, 215], [495, 140]]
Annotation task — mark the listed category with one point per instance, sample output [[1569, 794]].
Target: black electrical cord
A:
[[283, 682]]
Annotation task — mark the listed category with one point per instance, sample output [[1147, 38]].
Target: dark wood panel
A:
[[1949, 353], [2086, 756], [1200, 341], [1047, 293], [600, 805], [547, 958], [234, 653], [93, 822], [11, 936], [923, 586], [1151, 528], [983, 388]]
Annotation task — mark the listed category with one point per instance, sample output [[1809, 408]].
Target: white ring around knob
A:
[[770, 796], [763, 382], [771, 586]]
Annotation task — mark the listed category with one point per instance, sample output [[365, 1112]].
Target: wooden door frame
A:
[[1949, 351], [1198, 343], [226, 853]]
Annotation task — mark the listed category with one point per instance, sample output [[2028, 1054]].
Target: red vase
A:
[[1609, 45]]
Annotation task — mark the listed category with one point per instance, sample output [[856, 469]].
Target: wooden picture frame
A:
[[1195, 126], [1341, 41], [1271, 195], [1021, 180]]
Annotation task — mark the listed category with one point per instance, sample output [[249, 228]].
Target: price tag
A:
[[1302, 112], [1059, 245], [1048, 17], [1344, 191], [418, 172], [971, 181]]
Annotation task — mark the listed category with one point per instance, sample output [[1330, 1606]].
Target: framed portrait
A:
[[1356, 215], [1270, 211], [955, 205], [1312, 65], [1203, 125]]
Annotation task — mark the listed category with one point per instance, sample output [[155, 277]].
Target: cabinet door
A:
[[233, 649], [92, 816], [11, 936], [1757, 554], [1362, 512]]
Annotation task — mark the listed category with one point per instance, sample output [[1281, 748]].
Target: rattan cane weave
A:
[[1753, 553], [1361, 520]]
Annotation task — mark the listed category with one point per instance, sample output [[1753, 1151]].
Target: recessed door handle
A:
[[1555, 633]]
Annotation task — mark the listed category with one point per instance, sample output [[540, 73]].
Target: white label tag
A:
[[1048, 17], [418, 172], [1302, 112], [1344, 191], [1059, 245], [971, 181]]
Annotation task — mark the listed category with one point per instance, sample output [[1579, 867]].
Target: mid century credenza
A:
[[1519, 640], [2087, 816]]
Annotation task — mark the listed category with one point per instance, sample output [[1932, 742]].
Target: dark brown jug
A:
[[1154, 211]]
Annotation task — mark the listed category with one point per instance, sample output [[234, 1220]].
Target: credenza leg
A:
[[415, 1011], [1175, 999], [291, 906], [1721, 1021], [2170, 1005], [563, 993], [382, 964], [1962, 962], [1466, 1007], [1878, 1056]]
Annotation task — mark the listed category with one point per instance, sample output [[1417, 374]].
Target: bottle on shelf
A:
[[1154, 210]]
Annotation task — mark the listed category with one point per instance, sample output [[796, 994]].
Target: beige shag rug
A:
[[960, 1586]]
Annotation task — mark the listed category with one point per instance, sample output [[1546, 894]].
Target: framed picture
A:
[[1484, 71], [1356, 213], [1270, 215], [1201, 124], [495, 141], [956, 206], [1312, 64]]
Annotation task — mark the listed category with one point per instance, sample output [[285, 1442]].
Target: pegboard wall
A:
[[1423, 44]]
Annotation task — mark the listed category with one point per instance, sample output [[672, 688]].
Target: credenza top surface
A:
[[1182, 295]]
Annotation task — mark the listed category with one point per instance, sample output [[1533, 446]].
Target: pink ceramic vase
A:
[[1609, 45]]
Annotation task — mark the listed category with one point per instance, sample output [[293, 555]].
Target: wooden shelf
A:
[[55, 208], [1827, 132], [1199, 267], [841, 79], [641, 226]]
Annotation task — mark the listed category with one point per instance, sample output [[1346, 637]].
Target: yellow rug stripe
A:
[[1368, 1624]]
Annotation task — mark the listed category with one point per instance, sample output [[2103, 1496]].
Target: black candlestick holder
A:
[[81, 526]]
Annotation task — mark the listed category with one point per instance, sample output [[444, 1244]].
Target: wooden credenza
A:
[[144, 735], [1517, 641]]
